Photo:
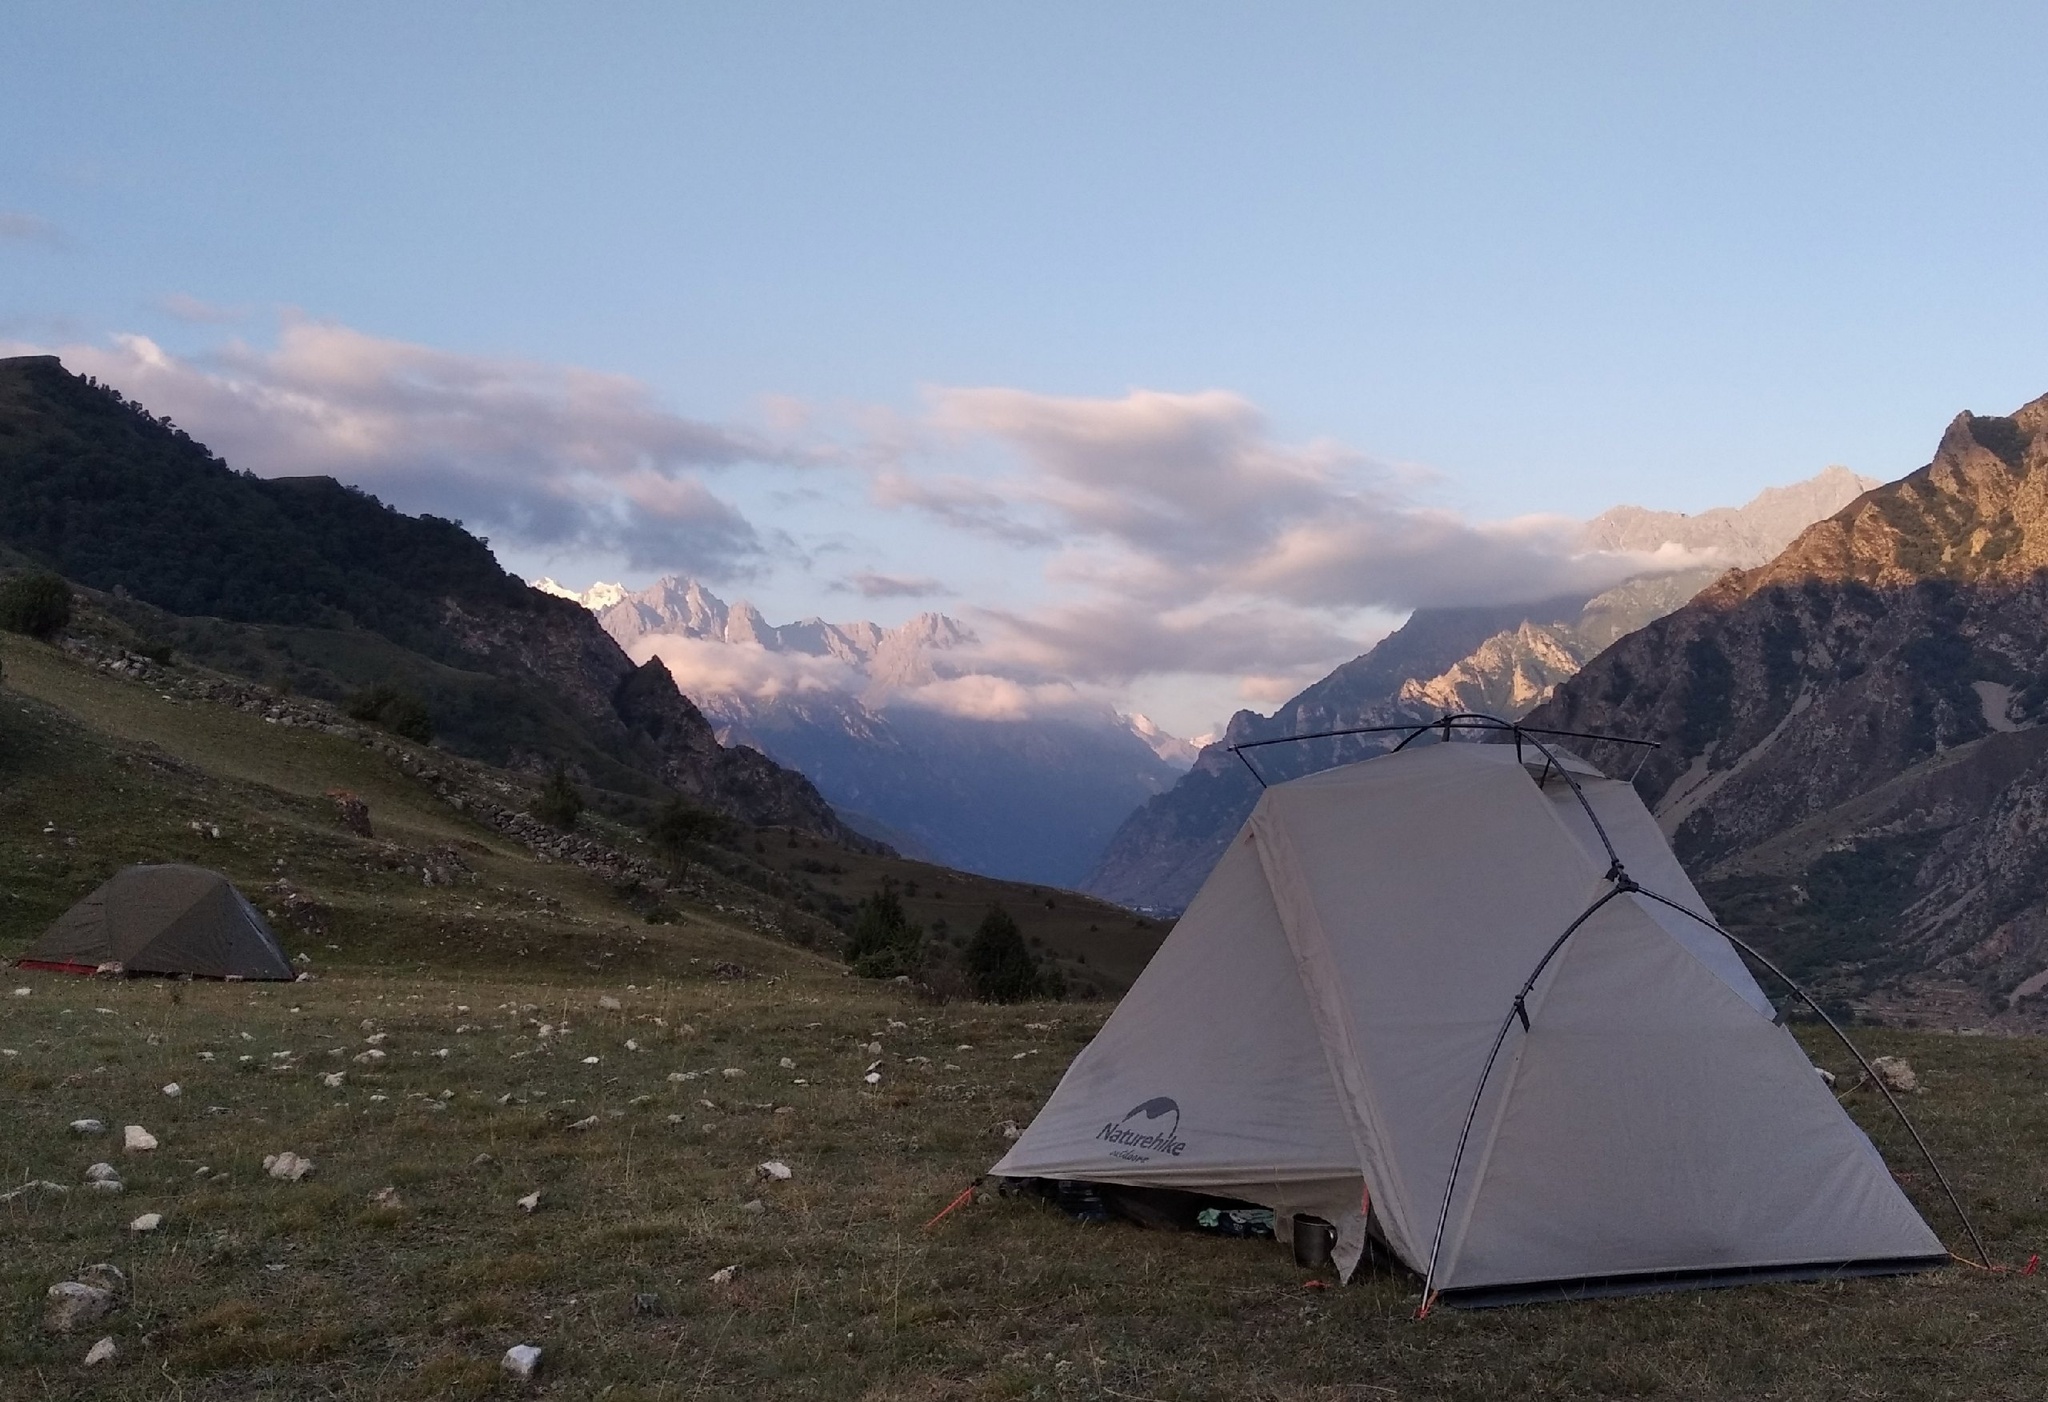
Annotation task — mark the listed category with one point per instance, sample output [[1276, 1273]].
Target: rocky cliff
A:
[[1853, 758]]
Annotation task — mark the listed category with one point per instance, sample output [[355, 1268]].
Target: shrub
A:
[[558, 804], [1002, 967], [884, 943], [399, 712], [680, 824], [36, 604]]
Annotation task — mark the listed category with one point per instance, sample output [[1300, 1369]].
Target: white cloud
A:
[[708, 668], [547, 455]]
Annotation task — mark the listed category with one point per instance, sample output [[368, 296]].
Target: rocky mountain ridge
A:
[[1503, 660], [304, 583], [1854, 757]]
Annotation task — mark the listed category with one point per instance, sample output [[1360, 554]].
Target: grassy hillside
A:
[[645, 1157]]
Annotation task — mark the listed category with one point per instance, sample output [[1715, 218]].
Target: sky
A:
[[1178, 350]]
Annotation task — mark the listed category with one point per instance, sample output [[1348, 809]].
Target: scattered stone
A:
[[1008, 1129], [874, 1048], [369, 1058], [387, 1197], [73, 1303], [334, 1080], [377, 1039], [174, 1090], [104, 1276], [137, 1140], [530, 1203], [589, 1122], [785, 1109], [732, 1073], [609, 1003], [724, 1274], [23, 992], [774, 1169], [104, 1185], [787, 1064], [101, 1352], [482, 1161], [147, 1222], [873, 1078], [632, 1045], [88, 1127], [1827, 1077], [1896, 1073], [647, 1302], [754, 1207], [521, 1361], [34, 1187], [592, 1060], [287, 1167]]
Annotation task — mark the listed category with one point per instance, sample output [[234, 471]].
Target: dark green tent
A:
[[162, 920]]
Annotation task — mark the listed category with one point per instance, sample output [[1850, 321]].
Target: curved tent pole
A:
[[1519, 1010], [1868, 1070]]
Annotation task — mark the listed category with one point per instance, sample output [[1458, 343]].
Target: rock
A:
[[88, 1127], [1008, 1129], [73, 1303], [647, 1302], [33, 1188], [774, 1169], [1896, 1073], [387, 1197], [1827, 1077], [104, 1185], [174, 1090], [591, 1060], [102, 1173], [873, 1078], [754, 1207], [147, 1222], [101, 1352], [874, 1048], [288, 1167], [732, 1073], [723, 1275], [334, 1080], [137, 1140], [23, 992], [589, 1122], [787, 1064], [609, 1003], [521, 1361], [530, 1203], [369, 1058], [482, 1161]]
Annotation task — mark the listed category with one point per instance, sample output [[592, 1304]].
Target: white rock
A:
[[441, 1052], [71, 1303], [530, 1203], [521, 1361], [386, 1197], [147, 1222], [588, 1123], [754, 1208], [724, 1274], [1827, 1077], [23, 992], [174, 1090], [775, 1169], [137, 1140], [873, 1078], [88, 1127], [334, 1080], [377, 1039], [591, 1060], [609, 1003], [874, 1048], [632, 1045], [787, 1063], [287, 1167], [1008, 1129], [101, 1352], [732, 1073], [33, 1188], [369, 1058], [1896, 1072], [104, 1185], [103, 1173]]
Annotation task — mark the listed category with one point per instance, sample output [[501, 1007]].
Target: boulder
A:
[[72, 1304], [522, 1361], [287, 1166], [147, 1222], [137, 1140], [1896, 1072]]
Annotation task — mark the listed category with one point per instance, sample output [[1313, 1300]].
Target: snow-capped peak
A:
[[1171, 748], [597, 598]]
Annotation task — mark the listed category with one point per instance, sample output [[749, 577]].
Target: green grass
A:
[[259, 1289]]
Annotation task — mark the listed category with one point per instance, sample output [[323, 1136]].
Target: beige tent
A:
[[1452, 994]]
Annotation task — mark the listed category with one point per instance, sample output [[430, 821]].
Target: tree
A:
[[680, 824], [1002, 967], [400, 712], [37, 604], [884, 942], [558, 804]]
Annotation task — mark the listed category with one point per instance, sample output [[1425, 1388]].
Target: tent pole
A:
[[1855, 1051], [1519, 1012]]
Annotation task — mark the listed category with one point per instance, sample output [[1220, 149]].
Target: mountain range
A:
[[895, 726], [1502, 659], [1854, 759], [309, 585]]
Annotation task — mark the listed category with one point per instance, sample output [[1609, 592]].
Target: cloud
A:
[[17, 227], [872, 585], [191, 310], [710, 668], [984, 696], [547, 455]]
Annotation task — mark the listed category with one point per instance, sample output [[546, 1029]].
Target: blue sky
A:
[[870, 292]]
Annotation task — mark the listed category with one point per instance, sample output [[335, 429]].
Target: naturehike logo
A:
[[1139, 1134]]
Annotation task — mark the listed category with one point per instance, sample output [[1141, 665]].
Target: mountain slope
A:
[[321, 585], [1853, 757], [897, 728], [1501, 660]]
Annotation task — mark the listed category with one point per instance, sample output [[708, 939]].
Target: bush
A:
[[558, 804], [884, 943], [680, 824], [399, 712], [1003, 968], [36, 604]]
